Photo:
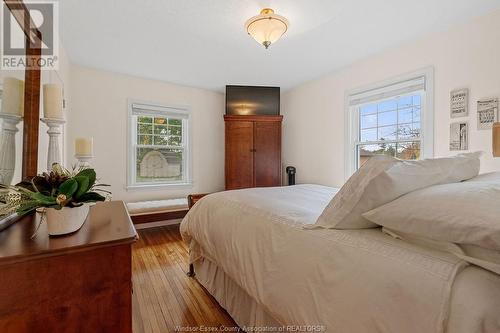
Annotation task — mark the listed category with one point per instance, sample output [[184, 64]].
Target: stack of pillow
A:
[[439, 200]]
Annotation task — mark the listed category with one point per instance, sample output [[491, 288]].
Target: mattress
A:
[[341, 280]]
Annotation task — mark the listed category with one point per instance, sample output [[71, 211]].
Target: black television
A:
[[252, 100]]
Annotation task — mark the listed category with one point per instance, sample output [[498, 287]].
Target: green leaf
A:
[[27, 207], [42, 199], [83, 185], [91, 197], [25, 212], [90, 174], [68, 188]]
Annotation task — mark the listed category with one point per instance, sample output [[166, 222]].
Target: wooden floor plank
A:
[[164, 297]]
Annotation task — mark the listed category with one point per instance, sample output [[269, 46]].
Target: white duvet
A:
[[346, 280]]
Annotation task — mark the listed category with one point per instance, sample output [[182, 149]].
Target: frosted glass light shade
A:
[[13, 97], [267, 27], [496, 139], [52, 101]]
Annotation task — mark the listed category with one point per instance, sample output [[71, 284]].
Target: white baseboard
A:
[[157, 224]]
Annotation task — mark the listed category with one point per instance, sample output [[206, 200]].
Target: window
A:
[[393, 118], [159, 145]]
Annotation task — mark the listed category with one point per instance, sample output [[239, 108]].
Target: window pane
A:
[[161, 140], [161, 129], [147, 120], [416, 114], [369, 121], [367, 151], [144, 128], [405, 101], [156, 165], [175, 130], [387, 133], [368, 135], [405, 131], [416, 130], [160, 121], [145, 139], [417, 100], [174, 140], [405, 115], [408, 150], [389, 105], [177, 122], [397, 119], [387, 118], [367, 109]]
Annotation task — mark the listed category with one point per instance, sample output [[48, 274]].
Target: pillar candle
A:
[[52, 101], [84, 146], [13, 96]]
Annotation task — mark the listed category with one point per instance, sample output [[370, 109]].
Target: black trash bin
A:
[[290, 170]]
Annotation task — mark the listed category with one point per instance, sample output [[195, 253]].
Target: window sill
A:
[[139, 187]]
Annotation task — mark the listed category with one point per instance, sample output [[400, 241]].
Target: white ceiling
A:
[[202, 43]]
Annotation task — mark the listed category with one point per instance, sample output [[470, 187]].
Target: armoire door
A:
[[239, 155], [267, 153]]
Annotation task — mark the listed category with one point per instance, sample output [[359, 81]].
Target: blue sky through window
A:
[[393, 119]]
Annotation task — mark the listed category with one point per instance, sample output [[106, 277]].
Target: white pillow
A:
[[462, 213], [382, 179]]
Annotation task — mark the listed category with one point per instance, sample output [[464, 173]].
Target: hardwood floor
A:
[[164, 297]]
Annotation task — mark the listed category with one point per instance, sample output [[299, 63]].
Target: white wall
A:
[[465, 56], [98, 109]]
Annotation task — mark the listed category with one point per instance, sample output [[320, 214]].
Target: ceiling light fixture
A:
[[267, 27]]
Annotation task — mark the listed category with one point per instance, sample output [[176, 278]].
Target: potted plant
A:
[[62, 197]]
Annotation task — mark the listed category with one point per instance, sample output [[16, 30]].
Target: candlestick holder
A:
[[84, 161], [8, 147], [55, 130]]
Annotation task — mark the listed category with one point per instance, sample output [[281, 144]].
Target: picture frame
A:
[[487, 113], [459, 103], [459, 136]]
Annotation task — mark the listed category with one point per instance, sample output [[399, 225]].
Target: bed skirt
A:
[[244, 310], [247, 313]]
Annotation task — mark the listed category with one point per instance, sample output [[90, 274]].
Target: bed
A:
[[251, 251]]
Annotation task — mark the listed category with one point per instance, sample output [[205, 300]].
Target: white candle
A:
[[52, 101], [13, 96], [84, 147]]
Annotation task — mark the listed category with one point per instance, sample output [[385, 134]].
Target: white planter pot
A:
[[66, 220]]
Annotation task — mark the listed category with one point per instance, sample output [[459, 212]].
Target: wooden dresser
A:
[[80, 282], [253, 151]]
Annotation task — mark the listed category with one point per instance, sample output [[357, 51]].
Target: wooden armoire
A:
[[253, 151]]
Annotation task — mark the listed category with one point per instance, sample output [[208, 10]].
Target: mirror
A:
[[19, 101], [20, 93], [12, 110]]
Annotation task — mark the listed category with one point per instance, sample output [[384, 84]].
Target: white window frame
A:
[[388, 89], [162, 110]]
